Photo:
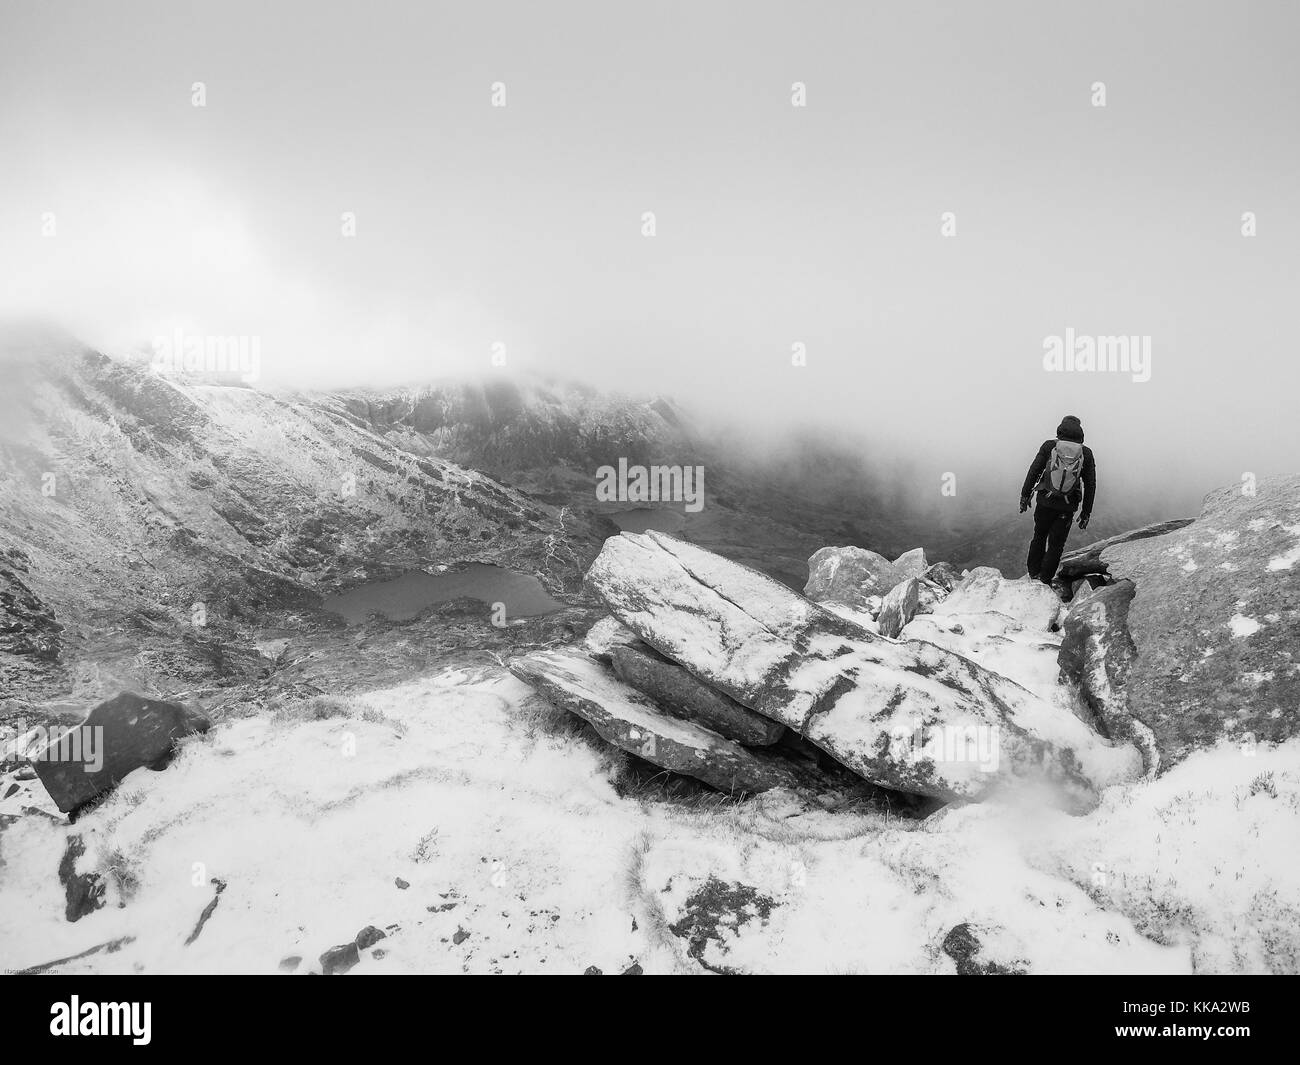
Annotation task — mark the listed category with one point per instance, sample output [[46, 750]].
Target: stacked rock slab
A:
[[908, 716], [684, 696], [1077, 563], [573, 680]]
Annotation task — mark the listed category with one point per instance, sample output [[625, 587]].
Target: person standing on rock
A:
[[1062, 475]]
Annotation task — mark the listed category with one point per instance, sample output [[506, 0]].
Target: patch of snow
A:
[[514, 835], [1243, 626]]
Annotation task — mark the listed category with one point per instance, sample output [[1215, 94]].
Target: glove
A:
[[1083, 521], [1024, 504]]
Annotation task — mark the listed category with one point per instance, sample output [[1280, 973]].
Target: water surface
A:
[[404, 597]]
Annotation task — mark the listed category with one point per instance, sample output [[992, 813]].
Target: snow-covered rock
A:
[[852, 575], [909, 716], [1005, 626], [1076, 563], [1031, 603], [1215, 621]]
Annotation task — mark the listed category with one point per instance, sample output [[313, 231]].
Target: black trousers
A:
[[1051, 528]]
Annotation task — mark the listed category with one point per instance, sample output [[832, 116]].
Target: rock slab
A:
[[128, 732], [1215, 622], [682, 695], [572, 680]]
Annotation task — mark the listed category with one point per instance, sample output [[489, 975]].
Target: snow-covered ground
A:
[[519, 855]]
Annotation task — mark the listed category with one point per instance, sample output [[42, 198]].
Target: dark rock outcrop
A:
[[83, 892], [123, 734], [962, 944]]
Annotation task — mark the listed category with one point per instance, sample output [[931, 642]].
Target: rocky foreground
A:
[[1092, 778], [1171, 638]]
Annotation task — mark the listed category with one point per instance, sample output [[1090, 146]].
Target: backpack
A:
[[1061, 476]]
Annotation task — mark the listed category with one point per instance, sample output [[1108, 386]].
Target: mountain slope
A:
[[151, 517]]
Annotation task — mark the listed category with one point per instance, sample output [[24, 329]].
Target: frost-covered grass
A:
[[524, 848]]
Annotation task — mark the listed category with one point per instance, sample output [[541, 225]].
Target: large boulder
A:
[[852, 575], [910, 564], [572, 680], [1215, 622], [847, 575], [125, 733], [684, 696], [905, 715]]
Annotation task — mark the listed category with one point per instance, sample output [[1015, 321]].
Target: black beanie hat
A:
[[1070, 429]]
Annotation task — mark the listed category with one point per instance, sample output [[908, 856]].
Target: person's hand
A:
[[1024, 504], [1083, 521]]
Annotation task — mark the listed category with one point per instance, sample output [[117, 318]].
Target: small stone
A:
[[591, 970], [460, 936], [25, 773], [290, 963], [84, 892], [369, 936], [338, 960], [402, 884], [633, 970]]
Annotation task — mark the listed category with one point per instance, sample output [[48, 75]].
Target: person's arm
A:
[[1035, 470], [1089, 487]]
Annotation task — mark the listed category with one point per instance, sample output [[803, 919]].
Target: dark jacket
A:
[[1086, 488]]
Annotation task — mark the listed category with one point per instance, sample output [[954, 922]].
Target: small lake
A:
[[643, 519], [404, 597]]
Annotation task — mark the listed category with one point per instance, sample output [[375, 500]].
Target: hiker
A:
[[1063, 474]]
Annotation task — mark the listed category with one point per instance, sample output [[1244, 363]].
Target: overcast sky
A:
[[774, 224]]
